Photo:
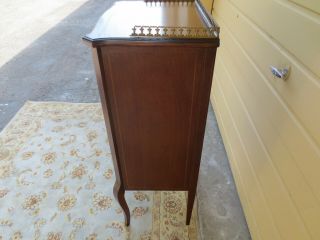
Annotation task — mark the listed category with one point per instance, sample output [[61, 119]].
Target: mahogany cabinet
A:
[[154, 62]]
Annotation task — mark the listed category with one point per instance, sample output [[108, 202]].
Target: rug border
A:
[[20, 110]]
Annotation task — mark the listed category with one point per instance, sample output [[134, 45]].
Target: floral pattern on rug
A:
[[56, 181]]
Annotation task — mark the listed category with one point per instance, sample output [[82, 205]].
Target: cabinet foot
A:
[[118, 191]]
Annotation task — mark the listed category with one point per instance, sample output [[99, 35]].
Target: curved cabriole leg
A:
[[118, 191]]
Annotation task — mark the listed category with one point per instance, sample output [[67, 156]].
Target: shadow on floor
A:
[[55, 67]]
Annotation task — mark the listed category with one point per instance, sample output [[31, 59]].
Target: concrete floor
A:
[[220, 212], [42, 58]]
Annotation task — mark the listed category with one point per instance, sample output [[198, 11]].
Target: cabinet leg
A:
[[118, 191], [191, 196]]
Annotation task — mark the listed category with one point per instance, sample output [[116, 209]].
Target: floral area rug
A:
[[56, 180]]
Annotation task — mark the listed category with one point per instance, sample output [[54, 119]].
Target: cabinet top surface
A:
[[154, 20]]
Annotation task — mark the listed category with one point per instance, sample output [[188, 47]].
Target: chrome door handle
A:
[[280, 73]]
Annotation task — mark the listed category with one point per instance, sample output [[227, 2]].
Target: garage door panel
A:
[[280, 204], [278, 116], [267, 118], [261, 102], [251, 192], [301, 91], [207, 4], [293, 27], [312, 5]]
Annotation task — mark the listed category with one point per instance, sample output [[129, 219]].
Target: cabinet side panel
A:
[[100, 75], [154, 96]]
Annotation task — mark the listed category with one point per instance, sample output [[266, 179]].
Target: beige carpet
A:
[[56, 180]]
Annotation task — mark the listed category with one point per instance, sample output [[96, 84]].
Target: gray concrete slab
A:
[[42, 58], [219, 207], [56, 66]]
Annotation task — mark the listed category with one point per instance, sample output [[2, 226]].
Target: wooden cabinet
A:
[[154, 64]]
